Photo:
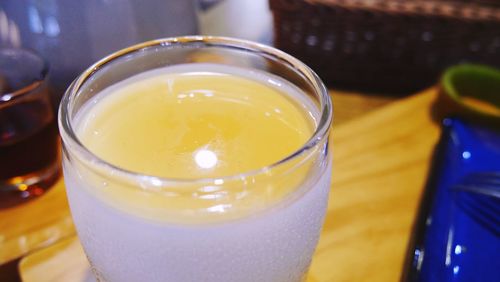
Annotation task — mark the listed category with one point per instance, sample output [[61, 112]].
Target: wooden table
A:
[[381, 159]]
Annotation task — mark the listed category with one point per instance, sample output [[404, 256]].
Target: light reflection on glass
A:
[[35, 21], [214, 196], [9, 31], [449, 247], [466, 155], [209, 189], [4, 22], [52, 27], [219, 208], [274, 82], [205, 158], [156, 182], [15, 35]]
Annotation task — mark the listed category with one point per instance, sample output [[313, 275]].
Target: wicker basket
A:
[[392, 46]]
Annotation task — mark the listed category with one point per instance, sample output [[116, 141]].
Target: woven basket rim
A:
[[450, 9]]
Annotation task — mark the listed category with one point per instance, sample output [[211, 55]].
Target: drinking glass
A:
[[73, 34], [259, 225], [29, 162]]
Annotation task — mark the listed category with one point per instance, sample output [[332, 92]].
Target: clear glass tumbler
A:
[[29, 158], [233, 232]]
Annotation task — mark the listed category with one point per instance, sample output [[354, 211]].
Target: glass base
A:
[[20, 189]]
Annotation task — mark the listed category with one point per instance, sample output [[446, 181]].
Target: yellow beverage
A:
[[194, 125], [198, 122], [183, 170]]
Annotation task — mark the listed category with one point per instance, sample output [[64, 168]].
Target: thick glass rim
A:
[[70, 138]]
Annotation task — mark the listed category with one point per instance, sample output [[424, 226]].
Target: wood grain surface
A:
[[46, 220], [35, 224], [350, 105], [381, 162]]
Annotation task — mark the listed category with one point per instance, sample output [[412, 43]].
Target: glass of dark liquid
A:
[[29, 160]]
